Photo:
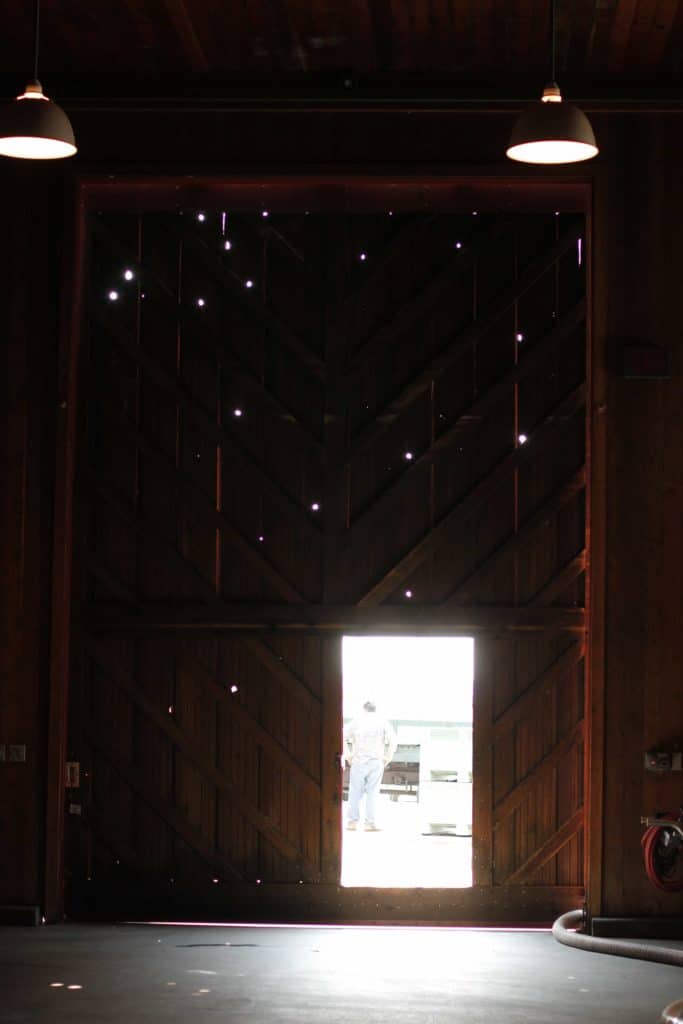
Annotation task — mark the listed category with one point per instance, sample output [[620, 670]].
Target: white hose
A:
[[636, 950]]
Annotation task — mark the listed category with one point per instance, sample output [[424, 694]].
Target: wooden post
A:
[[62, 566]]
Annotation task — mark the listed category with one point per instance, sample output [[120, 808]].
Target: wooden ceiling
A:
[[490, 44]]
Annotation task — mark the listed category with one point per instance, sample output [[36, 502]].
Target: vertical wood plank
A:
[[330, 757], [67, 391], [485, 650]]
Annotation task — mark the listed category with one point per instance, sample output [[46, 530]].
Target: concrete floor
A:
[[139, 973]]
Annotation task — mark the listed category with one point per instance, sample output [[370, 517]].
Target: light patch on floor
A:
[[400, 856]]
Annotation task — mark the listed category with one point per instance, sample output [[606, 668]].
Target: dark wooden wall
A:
[[637, 433], [33, 217]]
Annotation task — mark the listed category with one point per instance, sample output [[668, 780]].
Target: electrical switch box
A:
[[663, 761]]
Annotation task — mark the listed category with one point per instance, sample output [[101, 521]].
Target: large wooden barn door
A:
[[314, 413]]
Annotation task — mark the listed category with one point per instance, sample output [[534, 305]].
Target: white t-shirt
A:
[[369, 736]]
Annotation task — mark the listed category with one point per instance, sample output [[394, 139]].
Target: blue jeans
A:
[[365, 779]]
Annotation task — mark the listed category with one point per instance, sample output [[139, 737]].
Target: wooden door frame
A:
[[478, 188]]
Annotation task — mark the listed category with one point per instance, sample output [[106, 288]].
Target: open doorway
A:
[[422, 687]]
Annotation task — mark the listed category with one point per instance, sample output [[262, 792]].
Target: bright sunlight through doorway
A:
[[423, 687]]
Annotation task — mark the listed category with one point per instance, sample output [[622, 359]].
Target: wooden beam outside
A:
[[541, 517], [518, 794], [463, 341], [465, 507], [475, 412], [545, 852], [256, 617], [264, 824], [541, 686]]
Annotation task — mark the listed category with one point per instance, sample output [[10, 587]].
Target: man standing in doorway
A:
[[369, 745]]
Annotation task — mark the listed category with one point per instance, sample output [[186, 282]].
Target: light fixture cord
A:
[[552, 40], [36, 36]]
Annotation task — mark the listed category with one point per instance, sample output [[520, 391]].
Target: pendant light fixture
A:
[[32, 127], [552, 131]]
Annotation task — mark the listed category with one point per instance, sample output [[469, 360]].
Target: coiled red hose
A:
[[660, 864]]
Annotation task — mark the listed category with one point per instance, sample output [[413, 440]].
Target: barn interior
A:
[[296, 359]]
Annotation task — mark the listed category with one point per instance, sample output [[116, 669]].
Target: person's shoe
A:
[[352, 825], [372, 828]]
